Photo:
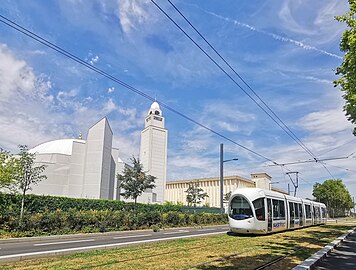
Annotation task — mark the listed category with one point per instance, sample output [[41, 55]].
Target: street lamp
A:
[[222, 161]]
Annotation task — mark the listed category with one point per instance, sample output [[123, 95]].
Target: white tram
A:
[[258, 211]]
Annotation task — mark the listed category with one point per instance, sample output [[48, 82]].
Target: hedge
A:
[[72, 221], [61, 215], [38, 204]]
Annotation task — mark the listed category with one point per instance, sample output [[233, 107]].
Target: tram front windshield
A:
[[240, 208]]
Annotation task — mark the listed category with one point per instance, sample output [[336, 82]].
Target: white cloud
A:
[[109, 106], [94, 60], [132, 13], [29, 115], [275, 36], [15, 76], [111, 90], [325, 122]]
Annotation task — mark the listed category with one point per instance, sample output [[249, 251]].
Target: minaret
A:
[[153, 153]]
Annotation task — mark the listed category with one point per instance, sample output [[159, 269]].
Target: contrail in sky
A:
[[272, 35]]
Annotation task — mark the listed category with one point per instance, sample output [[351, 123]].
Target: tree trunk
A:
[[22, 206]]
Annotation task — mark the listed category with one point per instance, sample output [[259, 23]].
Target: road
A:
[[26, 248]]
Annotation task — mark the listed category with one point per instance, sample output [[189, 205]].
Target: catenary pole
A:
[[222, 178]]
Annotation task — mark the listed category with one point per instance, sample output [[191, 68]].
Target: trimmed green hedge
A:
[[38, 204], [72, 221]]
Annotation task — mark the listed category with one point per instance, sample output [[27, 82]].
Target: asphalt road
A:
[[35, 247]]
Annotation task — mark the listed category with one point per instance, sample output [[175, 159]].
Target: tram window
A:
[[259, 205], [308, 213], [278, 209], [323, 212], [240, 208], [316, 212], [297, 210], [300, 210]]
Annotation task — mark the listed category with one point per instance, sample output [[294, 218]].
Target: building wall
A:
[[76, 179], [97, 161], [175, 191], [57, 172], [78, 168]]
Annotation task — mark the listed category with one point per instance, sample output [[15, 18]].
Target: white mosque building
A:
[[80, 168], [153, 154], [87, 168]]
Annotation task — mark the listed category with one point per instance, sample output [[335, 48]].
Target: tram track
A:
[[281, 258]]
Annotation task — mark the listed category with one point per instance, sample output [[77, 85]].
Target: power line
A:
[[240, 77], [308, 161], [346, 169], [73, 57], [332, 149], [287, 130]]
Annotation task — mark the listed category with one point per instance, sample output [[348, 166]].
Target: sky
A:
[[287, 51]]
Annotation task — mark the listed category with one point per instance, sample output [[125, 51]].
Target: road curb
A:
[[309, 263]]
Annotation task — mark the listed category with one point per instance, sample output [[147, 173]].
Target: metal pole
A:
[[288, 189], [222, 178], [353, 199]]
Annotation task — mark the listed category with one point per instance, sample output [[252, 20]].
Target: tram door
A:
[[301, 215], [269, 215]]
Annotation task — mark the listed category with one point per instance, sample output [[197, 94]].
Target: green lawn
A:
[[215, 252]]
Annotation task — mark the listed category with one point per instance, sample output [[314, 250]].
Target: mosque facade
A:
[[79, 168]]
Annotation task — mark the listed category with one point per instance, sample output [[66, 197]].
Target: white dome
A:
[[63, 146], [155, 106]]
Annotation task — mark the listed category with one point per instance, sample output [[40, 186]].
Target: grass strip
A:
[[194, 252]]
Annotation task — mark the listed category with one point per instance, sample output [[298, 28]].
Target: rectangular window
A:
[[278, 209], [308, 213], [300, 210]]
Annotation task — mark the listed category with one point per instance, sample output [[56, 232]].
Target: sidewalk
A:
[[339, 254], [342, 257]]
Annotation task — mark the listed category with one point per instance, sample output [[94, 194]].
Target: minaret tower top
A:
[[154, 116]]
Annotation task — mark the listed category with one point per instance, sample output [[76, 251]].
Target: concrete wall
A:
[[57, 172], [175, 191]]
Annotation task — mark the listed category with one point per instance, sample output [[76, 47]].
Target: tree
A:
[[347, 70], [334, 195], [8, 169], [195, 194], [134, 181], [227, 196], [27, 174]]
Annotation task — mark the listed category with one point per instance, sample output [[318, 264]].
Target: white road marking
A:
[[180, 231], [64, 242], [132, 236], [58, 251], [203, 230]]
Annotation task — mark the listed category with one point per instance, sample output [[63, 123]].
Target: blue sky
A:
[[286, 50]]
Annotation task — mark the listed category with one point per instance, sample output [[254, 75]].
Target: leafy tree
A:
[[334, 195], [347, 70], [8, 169], [195, 194], [27, 174], [227, 196], [134, 181]]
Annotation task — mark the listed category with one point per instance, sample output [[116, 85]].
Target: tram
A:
[[258, 211]]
